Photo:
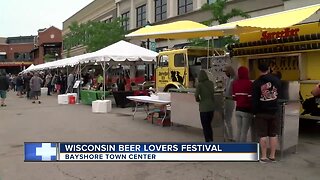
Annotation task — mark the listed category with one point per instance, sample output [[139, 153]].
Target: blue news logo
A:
[[40, 151]]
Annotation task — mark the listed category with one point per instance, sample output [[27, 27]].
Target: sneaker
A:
[[39, 102], [272, 160], [33, 102], [263, 161]]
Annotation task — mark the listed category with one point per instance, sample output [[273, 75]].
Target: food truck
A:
[[292, 51], [178, 68]]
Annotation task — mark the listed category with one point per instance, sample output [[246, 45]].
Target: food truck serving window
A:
[[287, 65], [163, 61]]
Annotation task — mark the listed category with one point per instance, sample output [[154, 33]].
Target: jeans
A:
[[49, 89], [244, 120], [229, 107], [206, 119]]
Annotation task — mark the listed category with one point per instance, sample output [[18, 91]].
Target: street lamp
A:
[[148, 47], [56, 55], [148, 40]]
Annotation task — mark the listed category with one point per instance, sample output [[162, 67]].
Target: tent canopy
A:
[[169, 30], [28, 69], [121, 52], [276, 20], [270, 21]]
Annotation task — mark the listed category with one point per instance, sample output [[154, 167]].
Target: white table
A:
[[147, 100]]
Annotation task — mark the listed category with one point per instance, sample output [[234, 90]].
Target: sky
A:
[[25, 17]]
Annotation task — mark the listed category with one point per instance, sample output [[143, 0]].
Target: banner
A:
[[127, 152]]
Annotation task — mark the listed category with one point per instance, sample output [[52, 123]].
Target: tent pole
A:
[[67, 81], [79, 79], [104, 80], [67, 71]]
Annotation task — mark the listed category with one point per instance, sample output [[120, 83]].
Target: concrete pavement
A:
[[21, 121]]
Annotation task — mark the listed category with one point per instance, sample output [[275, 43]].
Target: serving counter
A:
[[185, 111]]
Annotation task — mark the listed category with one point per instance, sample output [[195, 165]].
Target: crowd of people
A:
[[29, 84], [257, 107]]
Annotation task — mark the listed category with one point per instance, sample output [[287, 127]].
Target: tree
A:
[[217, 10], [94, 35]]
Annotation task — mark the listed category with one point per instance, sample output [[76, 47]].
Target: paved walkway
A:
[[21, 121]]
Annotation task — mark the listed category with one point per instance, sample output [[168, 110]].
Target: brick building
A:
[[48, 45], [18, 53]]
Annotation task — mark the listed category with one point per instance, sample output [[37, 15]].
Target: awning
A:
[[175, 30], [270, 21], [276, 20]]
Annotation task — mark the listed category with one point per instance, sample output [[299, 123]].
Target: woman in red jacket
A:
[[242, 91]]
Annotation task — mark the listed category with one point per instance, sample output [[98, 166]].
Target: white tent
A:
[[28, 69], [121, 52]]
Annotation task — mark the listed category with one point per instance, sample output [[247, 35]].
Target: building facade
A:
[[15, 53], [18, 53], [98, 10], [144, 12], [48, 45]]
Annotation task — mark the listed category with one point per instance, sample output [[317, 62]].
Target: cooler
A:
[[44, 91], [101, 106], [63, 99]]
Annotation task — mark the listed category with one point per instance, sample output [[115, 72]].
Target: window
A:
[[179, 60], [125, 23], [22, 56], [141, 16], [194, 60], [3, 57], [185, 6], [163, 61], [160, 10], [211, 1], [108, 20]]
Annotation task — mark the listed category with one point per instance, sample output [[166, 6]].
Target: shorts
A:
[[267, 125], [35, 93], [3, 94]]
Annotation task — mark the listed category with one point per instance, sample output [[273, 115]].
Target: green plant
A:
[[48, 57], [94, 35], [219, 14]]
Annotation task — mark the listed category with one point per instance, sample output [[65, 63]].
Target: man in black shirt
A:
[[265, 108], [4, 86]]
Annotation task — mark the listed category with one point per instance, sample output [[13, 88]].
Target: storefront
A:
[[14, 67], [292, 51]]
